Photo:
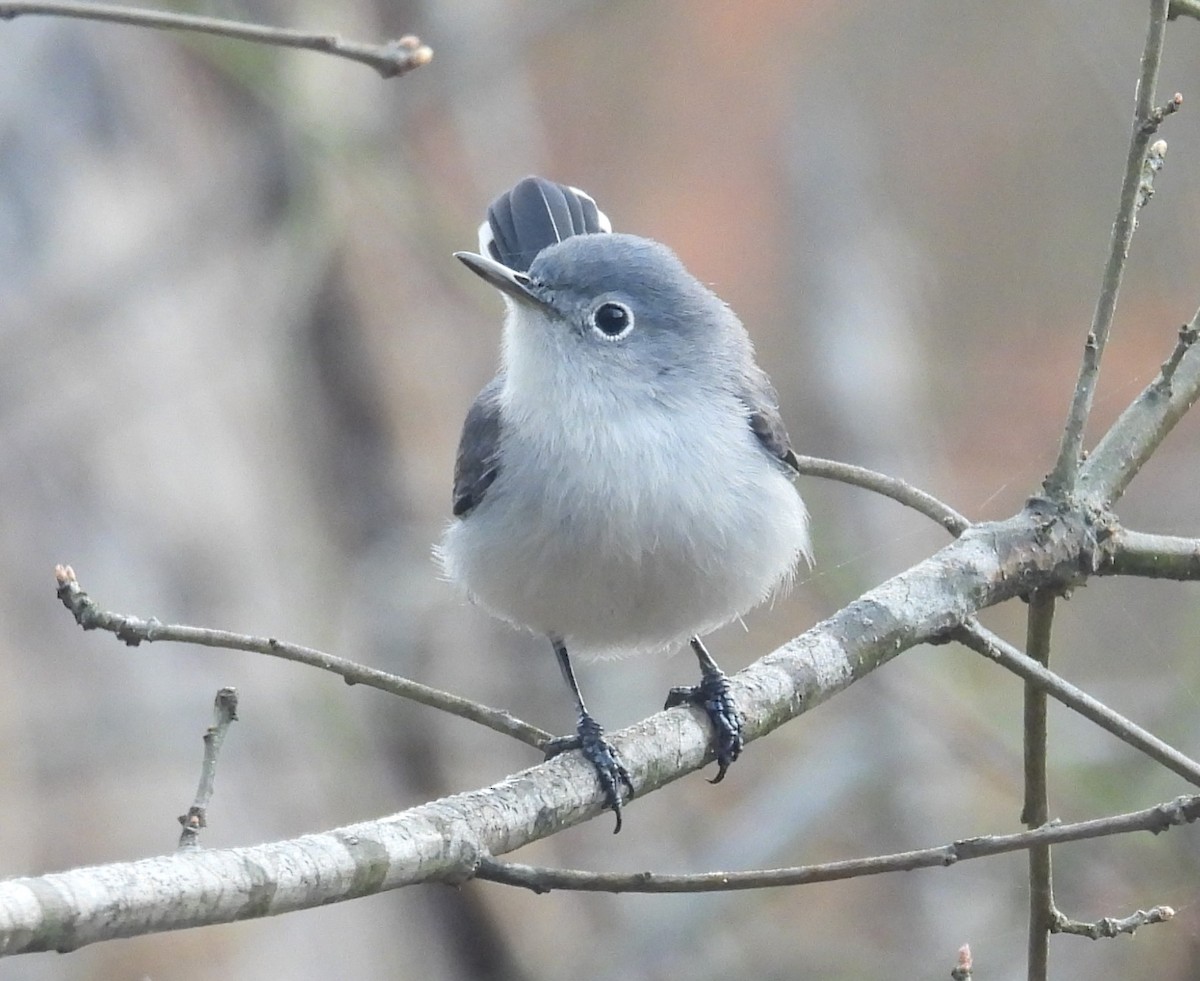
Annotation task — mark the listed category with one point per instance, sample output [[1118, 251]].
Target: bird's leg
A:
[[713, 695], [589, 738]]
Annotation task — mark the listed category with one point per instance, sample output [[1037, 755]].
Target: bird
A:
[[624, 484]]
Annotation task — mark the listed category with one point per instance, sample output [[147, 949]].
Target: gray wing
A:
[[765, 420], [478, 449]]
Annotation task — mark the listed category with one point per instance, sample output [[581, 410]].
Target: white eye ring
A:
[[611, 320]]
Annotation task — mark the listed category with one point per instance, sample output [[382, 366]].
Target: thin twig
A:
[[1036, 811], [1182, 810], [1188, 335], [1061, 481], [973, 635], [1134, 437], [1135, 553], [224, 715], [391, 59], [134, 630], [1110, 927], [898, 490], [1184, 8], [1155, 120]]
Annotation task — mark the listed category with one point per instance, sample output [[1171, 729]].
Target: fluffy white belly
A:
[[624, 545]]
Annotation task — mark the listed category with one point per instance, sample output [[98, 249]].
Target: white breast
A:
[[622, 523]]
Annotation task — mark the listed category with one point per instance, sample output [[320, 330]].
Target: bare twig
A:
[[1110, 927], [1036, 811], [1134, 437], [1184, 8], [134, 630], [224, 715], [898, 490], [542, 880], [975, 636], [391, 59], [1061, 481], [1135, 553], [1188, 334], [1155, 120]]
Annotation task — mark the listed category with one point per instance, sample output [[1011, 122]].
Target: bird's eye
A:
[[612, 321]]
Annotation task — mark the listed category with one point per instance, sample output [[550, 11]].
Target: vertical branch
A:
[[1061, 481], [1037, 803], [224, 715]]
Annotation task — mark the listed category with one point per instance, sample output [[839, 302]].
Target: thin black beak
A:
[[507, 281]]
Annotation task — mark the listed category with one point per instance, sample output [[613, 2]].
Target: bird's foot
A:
[[610, 771], [713, 695]]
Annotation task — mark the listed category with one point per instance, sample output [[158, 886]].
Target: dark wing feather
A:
[[534, 214], [765, 421], [478, 449]]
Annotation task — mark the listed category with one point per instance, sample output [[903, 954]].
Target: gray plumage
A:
[[478, 459], [623, 494], [624, 483]]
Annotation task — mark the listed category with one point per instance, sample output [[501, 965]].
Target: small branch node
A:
[[1155, 158], [1187, 337], [963, 969], [1155, 119]]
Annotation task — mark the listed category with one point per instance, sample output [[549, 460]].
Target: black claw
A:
[[589, 738], [713, 695], [606, 762]]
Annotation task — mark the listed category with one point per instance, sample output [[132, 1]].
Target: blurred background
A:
[[235, 355]]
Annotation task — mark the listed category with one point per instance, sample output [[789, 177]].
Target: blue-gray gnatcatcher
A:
[[624, 483]]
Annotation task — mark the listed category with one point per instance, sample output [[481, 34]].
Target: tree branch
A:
[[391, 59], [540, 879], [1036, 811], [1135, 553], [434, 842], [224, 715], [1110, 927], [134, 630], [1139, 430], [990, 563], [1061, 481], [973, 635], [892, 487]]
